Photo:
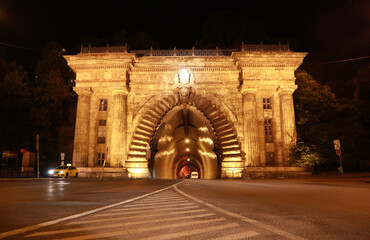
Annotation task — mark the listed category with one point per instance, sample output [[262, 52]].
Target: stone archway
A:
[[226, 142]]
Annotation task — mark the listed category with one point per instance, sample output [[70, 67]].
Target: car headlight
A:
[[61, 172], [51, 171]]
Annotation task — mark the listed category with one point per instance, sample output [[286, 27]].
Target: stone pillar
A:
[[251, 141], [119, 127], [288, 128], [81, 141], [276, 130]]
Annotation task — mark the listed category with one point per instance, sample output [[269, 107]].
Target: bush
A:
[[305, 155]]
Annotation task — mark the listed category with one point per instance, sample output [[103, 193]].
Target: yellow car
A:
[[64, 171]]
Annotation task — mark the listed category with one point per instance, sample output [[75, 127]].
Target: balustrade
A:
[[187, 52]]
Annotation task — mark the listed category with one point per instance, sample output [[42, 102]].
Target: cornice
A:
[[97, 66], [176, 69]]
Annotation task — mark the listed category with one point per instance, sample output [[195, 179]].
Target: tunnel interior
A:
[[184, 142]]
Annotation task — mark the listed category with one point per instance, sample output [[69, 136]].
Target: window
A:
[[103, 104], [268, 131], [266, 103], [100, 159], [270, 159], [102, 131]]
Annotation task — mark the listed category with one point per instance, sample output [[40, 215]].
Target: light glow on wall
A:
[[202, 129], [207, 154], [205, 140]]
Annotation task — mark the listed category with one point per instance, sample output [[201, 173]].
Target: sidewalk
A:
[[365, 176]]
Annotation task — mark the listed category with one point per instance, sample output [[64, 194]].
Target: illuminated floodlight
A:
[[184, 76], [188, 159], [187, 140], [187, 149]]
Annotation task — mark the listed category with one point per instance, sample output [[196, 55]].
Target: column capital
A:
[[83, 90], [120, 90], [286, 89], [246, 89]]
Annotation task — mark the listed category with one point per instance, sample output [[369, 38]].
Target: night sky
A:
[[336, 25]]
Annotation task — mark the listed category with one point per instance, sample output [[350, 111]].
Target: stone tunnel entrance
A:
[[184, 142], [184, 132], [220, 112]]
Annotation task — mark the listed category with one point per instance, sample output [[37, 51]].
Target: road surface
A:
[[190, 209]]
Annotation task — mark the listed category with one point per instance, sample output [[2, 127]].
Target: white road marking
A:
[[142, 221], [157, 204], [146, 229], [155, 209], [237, 236], [149, 207], [245, 219], [159, 214], [194, 231]]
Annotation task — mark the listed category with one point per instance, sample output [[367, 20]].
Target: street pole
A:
[[38, 155]]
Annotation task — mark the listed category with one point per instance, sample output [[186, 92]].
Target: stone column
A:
[[81, 141], [288, 128], [276, 130], [119, 127], [251, 141]]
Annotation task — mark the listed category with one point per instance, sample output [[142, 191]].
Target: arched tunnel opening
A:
[[184, 142]]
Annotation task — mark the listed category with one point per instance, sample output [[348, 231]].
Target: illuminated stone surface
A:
[[156, 102]]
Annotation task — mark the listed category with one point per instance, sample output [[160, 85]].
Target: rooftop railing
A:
[[187, 52]]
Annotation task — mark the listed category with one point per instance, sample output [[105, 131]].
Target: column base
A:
[[137, 168], [100, 172], [232, 169], [276, 172]]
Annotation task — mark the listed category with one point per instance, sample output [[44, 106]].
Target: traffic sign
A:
[[337, 144], [339, 152]]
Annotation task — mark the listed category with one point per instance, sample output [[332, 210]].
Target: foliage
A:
[[321, 118], [14, 106], [54, 82], [31, 106], [304, 155]]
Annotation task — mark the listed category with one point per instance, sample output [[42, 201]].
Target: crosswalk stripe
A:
[[162, 210], [153, 206], [162, 201], [142, 221], [144, 229], [159, 214], [193, 232], [236, 236], [154, 203], [175, 197], [155, 209]]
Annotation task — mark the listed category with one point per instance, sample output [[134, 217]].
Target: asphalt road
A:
[[207, 209], [28, 202], [310, 208]]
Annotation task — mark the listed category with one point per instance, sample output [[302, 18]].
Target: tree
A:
[[16, 93], [321, 118]]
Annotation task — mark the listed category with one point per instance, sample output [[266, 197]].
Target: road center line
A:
[[245, 219], [55, 221]]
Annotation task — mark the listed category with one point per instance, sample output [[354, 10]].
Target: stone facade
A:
[[242, 98]]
